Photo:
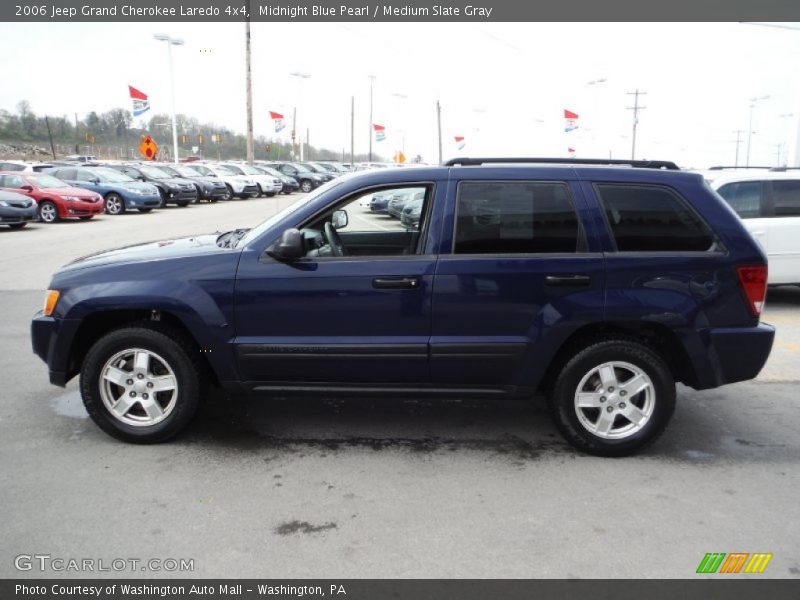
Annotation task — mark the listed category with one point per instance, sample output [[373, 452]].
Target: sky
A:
[[502, 86]]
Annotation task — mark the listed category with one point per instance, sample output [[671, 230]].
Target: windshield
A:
[[155, 173], [250, 170], [204, 170], [301, 168], [271, 171], [170, 171], [186, 171], [301, 202], [324, 167], [47, 181], [111, 176], [223, 170]]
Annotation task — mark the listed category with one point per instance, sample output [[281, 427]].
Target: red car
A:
[[56, 199]]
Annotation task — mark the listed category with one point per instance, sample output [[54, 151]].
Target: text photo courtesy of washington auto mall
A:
[[409, 301]]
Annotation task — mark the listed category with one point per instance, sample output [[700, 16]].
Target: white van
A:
[[768, 202]]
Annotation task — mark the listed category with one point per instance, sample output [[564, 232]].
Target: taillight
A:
[[754, 286]]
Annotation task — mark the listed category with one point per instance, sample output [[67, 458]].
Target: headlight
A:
[[50, 300], [71, 198], [3, 203]]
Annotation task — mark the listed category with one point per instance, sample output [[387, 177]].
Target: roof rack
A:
[[642, 164], [723, 167], [780, 169]]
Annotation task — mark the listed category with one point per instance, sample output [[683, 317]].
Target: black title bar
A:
[[407, 11]]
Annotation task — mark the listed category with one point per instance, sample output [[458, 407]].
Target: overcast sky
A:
[[501, 86]]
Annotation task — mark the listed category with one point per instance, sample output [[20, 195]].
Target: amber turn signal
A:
[[50, 301]]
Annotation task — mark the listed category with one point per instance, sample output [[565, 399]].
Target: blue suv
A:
[[596, 285]]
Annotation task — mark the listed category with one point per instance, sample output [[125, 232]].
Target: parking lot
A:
[[381, 488]]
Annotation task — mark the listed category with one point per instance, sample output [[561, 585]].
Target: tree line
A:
[[118, 129]]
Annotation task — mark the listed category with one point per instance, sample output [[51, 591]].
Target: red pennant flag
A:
[[136, 94], [568, 114]]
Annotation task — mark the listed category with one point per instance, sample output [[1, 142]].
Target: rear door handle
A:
[[567, 280], [396, 283]]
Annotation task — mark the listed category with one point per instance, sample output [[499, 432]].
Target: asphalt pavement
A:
[[380, 488]]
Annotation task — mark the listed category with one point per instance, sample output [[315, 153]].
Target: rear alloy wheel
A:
[[306, 185], [613, 398], [141, 385], [115, 205], [228, 193], [48, 213]]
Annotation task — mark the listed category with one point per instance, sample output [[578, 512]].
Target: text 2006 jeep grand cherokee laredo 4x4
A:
[[598, 284]]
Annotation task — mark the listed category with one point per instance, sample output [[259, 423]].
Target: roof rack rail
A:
[[723, 167], [642, 164], [780, 169]]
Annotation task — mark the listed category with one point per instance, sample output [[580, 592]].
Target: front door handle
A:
[[396, 283], [567, 280]]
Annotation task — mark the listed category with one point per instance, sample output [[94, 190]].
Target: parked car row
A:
[[82, 189]]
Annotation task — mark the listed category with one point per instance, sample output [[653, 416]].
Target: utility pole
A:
[[77, 135], [371, 84], [250, 153], [635, 108], [738, 133], [50, 135], [439, 127], [353, 130]]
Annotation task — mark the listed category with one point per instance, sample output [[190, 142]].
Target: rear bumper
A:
[[742, 353], [735, 354]]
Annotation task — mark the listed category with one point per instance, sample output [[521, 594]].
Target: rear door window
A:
[[744, 197], [786, 198], [645, 218], [515, 218]]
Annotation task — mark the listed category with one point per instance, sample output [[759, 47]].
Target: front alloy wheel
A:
[[142, 384], [138, 387], [48, 213], [115, 205], [306, 185]]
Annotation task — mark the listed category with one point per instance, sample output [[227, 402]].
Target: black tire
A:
[[306, 185], [179, 353], [260, 191], [114, 204], [163, 195], [50, 211], [145, 210], [562, 399], [229, 194], [17, 225]]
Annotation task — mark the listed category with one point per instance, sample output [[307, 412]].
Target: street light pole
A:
[[753, 101], [301, 76], [371, 84], [161, 37]]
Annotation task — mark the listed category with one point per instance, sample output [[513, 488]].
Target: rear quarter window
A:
[[645, 218]]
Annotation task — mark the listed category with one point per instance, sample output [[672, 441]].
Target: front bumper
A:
[[137, 201], [11, 215], [51, 339], [80, 209]]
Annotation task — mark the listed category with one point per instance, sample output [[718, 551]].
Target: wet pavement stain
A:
[[303, 527]]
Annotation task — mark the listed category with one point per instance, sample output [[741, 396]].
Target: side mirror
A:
[[291, 246], [339, 219], [96, 181], [26, 188]]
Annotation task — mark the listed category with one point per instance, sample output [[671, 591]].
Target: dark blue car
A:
[[595, 286], [119, 192]]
